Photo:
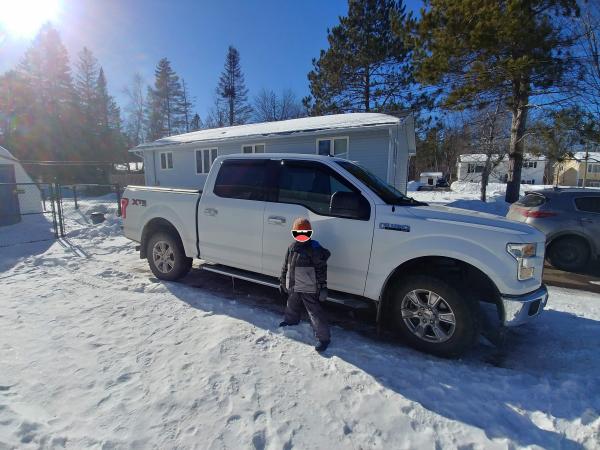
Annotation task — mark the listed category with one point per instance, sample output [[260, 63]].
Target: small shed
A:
[[430, 178], [381, 143], [18, 193]]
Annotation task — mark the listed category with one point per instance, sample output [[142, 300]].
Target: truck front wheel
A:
[[433, 317], [166, 257]]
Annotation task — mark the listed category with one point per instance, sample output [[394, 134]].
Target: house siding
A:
[[369, 147]]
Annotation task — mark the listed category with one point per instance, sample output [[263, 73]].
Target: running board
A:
[[350, 301]]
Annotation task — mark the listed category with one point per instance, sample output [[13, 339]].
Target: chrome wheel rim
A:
[[428, 316], [163, 257]]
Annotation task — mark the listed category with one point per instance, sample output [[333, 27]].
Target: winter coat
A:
[[305, 267]]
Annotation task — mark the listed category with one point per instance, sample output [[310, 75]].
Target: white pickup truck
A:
[[427, 269]]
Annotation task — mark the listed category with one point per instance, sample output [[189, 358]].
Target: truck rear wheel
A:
[[166, 257], [433, 317]]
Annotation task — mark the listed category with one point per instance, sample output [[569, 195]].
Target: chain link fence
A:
[[83, 205]]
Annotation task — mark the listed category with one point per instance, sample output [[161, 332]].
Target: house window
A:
[[204, 159], [166, 160], [253, 148], [333, 147], [593, 168], [474, 168]]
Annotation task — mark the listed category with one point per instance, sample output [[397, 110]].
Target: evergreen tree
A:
[[476, 51], [164, 102], [232, 89], [185, 106], [366, 66], [86, 78], [196, 123]]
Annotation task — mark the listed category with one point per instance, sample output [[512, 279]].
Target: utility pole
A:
[[585, 165]]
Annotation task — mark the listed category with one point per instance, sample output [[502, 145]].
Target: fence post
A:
[[52, 200], [118, 189], [75, 196]]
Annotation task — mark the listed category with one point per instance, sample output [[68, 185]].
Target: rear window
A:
[[241, 179], [588, 204], [532, 200]]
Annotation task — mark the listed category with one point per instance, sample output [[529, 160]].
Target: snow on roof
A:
[[303, 125], [592, 156], [432, 174], [5, 154], [480, 157]]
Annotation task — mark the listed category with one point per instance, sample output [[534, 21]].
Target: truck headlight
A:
[[523, 254]]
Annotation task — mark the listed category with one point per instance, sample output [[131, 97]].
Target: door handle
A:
[[276, 220], [211, 211]]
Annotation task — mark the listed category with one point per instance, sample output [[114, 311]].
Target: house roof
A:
[[592, 156], [480, 157], [5, 154], [284, 127]]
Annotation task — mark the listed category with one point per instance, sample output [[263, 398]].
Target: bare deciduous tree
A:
[[270, 107]]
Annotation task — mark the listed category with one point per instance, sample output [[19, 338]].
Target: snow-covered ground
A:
[[96, 353]]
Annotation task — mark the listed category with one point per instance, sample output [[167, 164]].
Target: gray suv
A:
[[570, 218]]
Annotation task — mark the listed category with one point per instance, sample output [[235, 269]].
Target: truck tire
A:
[[166, 257], [569, 253], [433, 317]]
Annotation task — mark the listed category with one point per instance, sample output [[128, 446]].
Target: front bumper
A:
[[519, 309]]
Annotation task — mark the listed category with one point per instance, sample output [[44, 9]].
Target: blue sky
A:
[[276, 39]]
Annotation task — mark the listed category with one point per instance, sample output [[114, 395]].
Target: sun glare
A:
[[23, 18]]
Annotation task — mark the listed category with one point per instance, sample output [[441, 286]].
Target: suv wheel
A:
[[433, 317], [569, 253], [166, 257]]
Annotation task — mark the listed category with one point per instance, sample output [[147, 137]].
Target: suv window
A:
[[309, 185], [588, 204], [241, 179], [532, 200]]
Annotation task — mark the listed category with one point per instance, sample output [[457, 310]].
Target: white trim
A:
[[166, 161], [201, 151], [253, 148], [332, 146]]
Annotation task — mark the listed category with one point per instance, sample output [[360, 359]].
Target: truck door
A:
[[230, 215], [304, 189]]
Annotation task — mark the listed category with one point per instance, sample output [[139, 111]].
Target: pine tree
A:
[[477, 51], [86, 78], [367, 65], [185, 106], [196, 123], [232, 89], [164, 102]]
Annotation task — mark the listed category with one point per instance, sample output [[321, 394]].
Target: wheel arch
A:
[[572, 234], [153, 226], [451, 270]]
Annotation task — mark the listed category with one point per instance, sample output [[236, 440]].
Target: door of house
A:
[[9, 201]]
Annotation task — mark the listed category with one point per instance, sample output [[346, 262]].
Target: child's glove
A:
[[323, 294]]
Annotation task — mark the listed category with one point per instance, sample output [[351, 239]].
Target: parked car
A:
[[425, 269], [570, 218]]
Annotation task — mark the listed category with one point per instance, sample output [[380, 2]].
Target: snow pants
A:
[[316, 313]]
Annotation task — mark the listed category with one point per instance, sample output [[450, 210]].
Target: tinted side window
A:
[[532, 200], [310, 186], [241, 179], [588, 204]]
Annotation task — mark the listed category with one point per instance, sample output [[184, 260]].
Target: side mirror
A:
[[351, 205]]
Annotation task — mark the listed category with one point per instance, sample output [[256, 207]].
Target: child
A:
[[304, 280]]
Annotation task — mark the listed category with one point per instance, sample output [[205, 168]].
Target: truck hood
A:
[[476, 219]]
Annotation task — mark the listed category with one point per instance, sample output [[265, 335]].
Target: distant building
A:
[[430, 178], [470, 167], [572, 172]]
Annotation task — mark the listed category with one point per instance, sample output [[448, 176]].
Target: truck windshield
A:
[[387, 193]]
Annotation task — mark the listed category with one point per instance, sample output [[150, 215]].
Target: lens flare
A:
[[23, 18]]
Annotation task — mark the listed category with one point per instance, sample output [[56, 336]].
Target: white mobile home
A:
[[470, 167], [18, 193], [379, 142]]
